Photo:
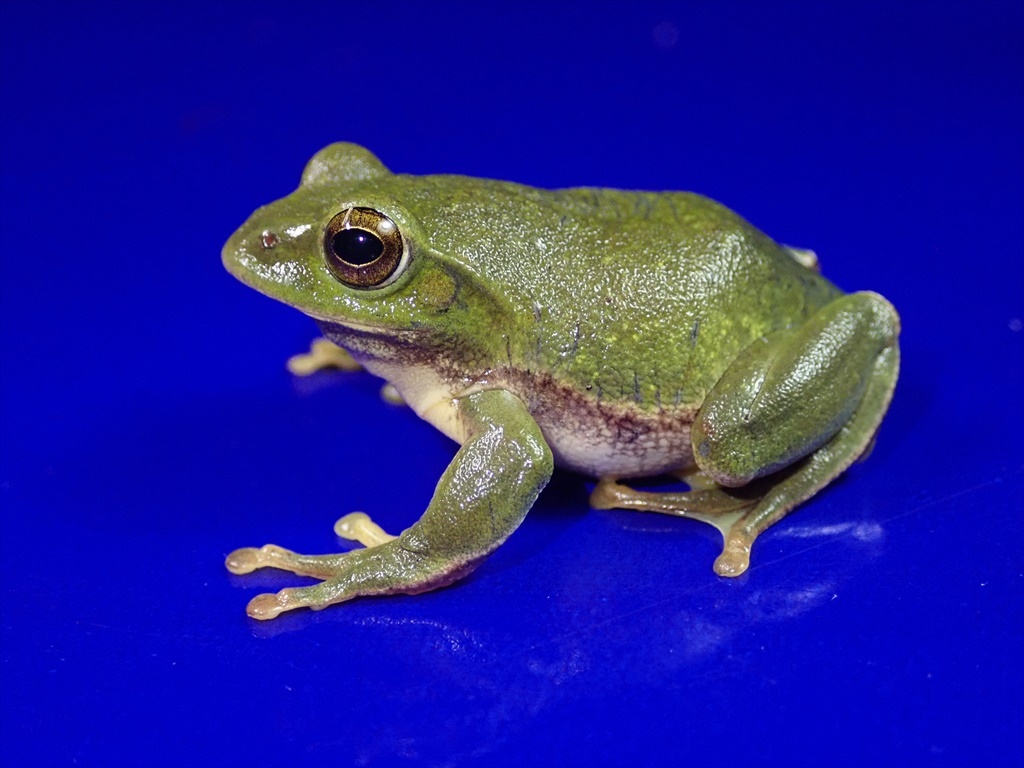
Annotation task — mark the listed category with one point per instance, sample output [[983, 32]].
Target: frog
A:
[[621, 335]]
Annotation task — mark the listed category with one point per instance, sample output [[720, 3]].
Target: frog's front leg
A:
[[481, 498], [322, 354], [796, 409]]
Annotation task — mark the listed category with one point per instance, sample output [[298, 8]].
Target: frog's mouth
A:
[[333, 322], [406, 346], [344, 326]]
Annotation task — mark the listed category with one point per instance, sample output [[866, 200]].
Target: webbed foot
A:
[[725, 509]]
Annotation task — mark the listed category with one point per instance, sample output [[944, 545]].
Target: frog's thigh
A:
[[789, 393]]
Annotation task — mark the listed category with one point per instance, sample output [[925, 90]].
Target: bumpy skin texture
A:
[[604, 325]]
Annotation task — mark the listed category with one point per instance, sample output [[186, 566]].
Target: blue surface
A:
[[149, 426]]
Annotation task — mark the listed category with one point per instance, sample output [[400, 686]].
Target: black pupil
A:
[[357, 246]]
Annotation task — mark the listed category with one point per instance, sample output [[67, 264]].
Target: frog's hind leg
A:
[[741, 514], [799, 482], [792, 413], [796, 410]]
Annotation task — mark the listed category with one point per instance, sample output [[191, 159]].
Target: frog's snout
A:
[[249, 247], [229, 253]]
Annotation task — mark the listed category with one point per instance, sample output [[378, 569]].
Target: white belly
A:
[[587, 436]]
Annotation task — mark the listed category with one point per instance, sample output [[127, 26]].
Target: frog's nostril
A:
[[268, 239]]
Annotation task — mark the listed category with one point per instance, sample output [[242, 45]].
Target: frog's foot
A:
[[322, 354], [718, 507], [706, 504], [725, 509], [386, 569], [733, 511], [383, 568], [356, 526], [696, 479]]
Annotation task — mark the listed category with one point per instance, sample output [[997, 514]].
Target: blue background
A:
[[149, 426]]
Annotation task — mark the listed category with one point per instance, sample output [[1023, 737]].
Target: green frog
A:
[[614, 333]]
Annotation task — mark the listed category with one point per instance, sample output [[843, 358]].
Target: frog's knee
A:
[[719, 452], [884, 318]]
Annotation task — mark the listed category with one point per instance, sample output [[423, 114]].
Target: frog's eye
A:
[[363, 247]]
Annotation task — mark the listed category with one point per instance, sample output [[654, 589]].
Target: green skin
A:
[[620, 334]]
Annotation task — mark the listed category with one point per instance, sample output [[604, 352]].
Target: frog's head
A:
[[345, 250]]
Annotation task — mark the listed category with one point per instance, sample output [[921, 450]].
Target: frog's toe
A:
[[271, 605], [358, 577], [607, 494], [266, 606], [735, 557], [357, 526], [389, 394], [242, 561], [249, 559]]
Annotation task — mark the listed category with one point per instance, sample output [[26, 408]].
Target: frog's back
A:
[[636, 297]]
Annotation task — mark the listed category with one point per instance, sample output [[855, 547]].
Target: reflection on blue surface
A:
[[149, 428]]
